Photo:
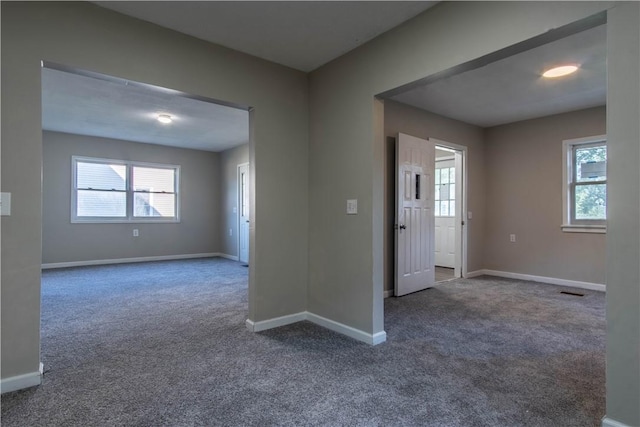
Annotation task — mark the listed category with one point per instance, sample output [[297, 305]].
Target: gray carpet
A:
[[164, 344]]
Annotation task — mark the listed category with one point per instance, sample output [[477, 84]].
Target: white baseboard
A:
[[372, 339], [548, 280], [476, 273], [227, 256], [276, 322], [608, 422], [19, 382], [388, 293], [129, 260]]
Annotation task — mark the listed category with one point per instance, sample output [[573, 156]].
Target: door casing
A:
[[462, 214], [244, 200]]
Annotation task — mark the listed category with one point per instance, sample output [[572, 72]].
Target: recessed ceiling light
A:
[[563, 70], [164, 118]]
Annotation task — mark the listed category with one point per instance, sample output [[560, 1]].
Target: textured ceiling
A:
[[84, 105], [512, 89]]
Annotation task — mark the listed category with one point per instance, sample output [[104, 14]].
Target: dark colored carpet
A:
[[160, 344]]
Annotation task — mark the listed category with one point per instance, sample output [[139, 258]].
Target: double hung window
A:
[[585, 184], [106, 190]]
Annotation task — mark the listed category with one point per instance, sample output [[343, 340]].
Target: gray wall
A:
[[524, 196], [85, 36], [623, 213], [347, 142], [342, 145], [199, 194], [229, 161], [423, 124], [346, 269], [515, 186]]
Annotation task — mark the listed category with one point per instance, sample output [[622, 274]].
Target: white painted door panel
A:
[[415, 165], [445, 237], [243, 213]]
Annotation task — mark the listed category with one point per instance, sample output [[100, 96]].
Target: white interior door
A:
[[415, 165], [445, 237], [243, 213]]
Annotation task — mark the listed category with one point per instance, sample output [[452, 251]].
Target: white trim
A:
[[581, 228], [130, 218], [239, 204], [567, 176], [227, 256], [129, 260], [19, 382], [378, 338], [388, 293], [463, 207], [548, 280], [474, 273], [276, 322], [608, 422], [372, 339]]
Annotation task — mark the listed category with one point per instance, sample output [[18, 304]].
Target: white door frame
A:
[[461, 208], [239, 210]]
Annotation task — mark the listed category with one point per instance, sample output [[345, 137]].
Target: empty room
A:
[[550, 205]]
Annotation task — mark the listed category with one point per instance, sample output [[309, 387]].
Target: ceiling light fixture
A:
[[164, 118], [563, 70]]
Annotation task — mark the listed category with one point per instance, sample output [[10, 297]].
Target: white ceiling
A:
[[84, 105], [305, 35], [299, 34], [513, 89]]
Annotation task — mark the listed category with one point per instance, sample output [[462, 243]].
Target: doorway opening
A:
[[430, 200], [433, 107], [122, 186], [449, 211]]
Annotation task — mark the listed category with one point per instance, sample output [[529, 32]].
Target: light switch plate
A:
[[352, 206], [5, 204]]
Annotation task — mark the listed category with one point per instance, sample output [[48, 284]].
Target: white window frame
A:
[[129, 218], [568, 224]]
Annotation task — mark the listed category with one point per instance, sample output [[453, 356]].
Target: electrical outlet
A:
[[136, 233], [512, 238], [231, 232]]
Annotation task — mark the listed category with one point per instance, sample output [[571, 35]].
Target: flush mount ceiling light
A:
[[164, 118], [563, 70]]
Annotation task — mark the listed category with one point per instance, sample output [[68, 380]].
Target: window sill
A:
[[570, 228], [125, 221]]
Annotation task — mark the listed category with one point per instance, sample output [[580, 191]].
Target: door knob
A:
[[403, 227]]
